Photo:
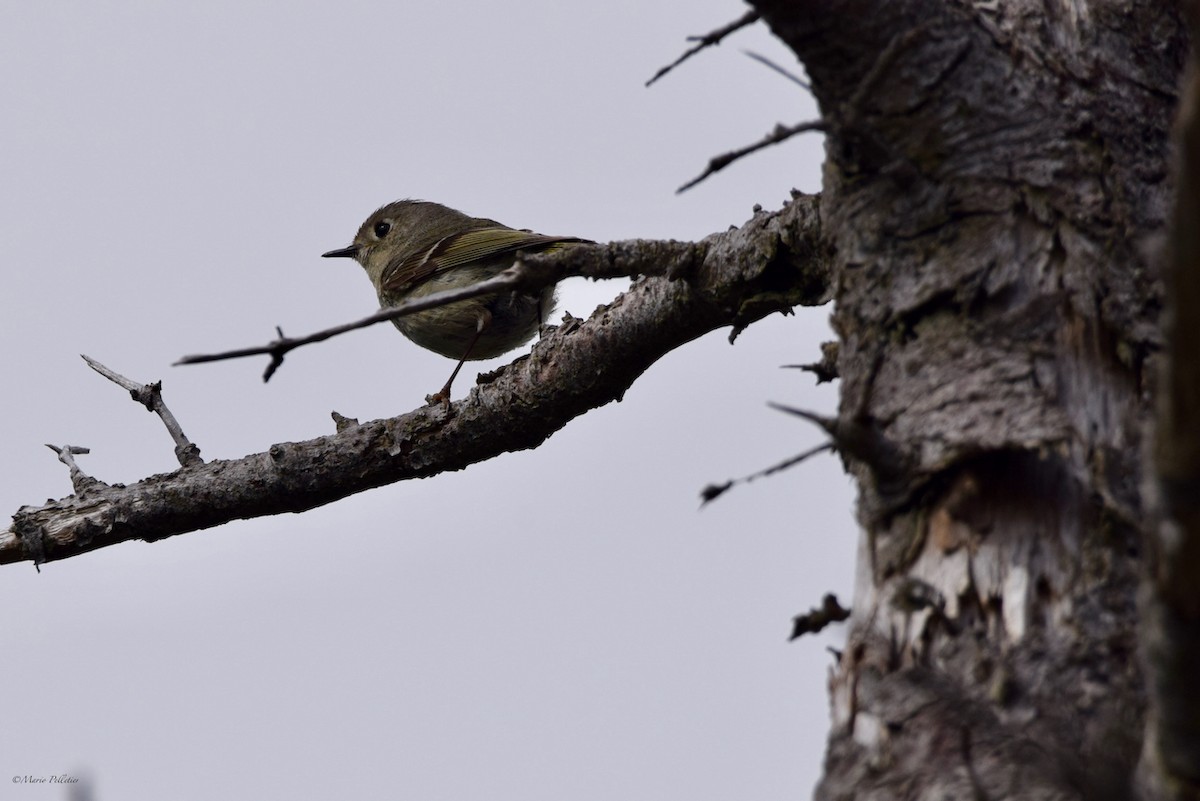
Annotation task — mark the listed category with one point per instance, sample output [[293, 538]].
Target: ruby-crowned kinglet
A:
[[413, 248]]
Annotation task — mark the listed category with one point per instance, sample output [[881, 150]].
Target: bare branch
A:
[[774, 262], [766, 62], [708, 40], [80, 480], [830, 611], [845, 116], [714, 491], [507, 281], [150, 396], [861, 439], [529, 274], [781, 134], [826, 369]]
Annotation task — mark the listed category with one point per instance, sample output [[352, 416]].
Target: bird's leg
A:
[[481, 325], [541, 317]]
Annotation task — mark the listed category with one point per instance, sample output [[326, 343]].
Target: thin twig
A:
[[707, 40], [761, 59], [844, 117], [827, 368], [714, 491], [150, 396], [512, 279], [529, 274], [781, 134], [80, 481], [830, 611]]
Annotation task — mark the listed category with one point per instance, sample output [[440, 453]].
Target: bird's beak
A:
[[342, 253]]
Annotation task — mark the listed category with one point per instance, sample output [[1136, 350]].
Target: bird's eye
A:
[[382, 227]]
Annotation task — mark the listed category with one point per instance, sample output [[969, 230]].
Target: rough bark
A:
[[771, 264], [996, 184], [995, 173]]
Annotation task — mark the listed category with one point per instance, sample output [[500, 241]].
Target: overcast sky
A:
[[563, 623]]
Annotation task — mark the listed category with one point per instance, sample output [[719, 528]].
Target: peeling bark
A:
[[994, 175]]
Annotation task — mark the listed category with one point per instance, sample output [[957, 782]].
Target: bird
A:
[[413, 248]]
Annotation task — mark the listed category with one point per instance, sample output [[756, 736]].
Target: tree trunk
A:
[[996, 174]]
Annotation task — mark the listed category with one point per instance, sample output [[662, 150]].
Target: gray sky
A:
[[560, 623]]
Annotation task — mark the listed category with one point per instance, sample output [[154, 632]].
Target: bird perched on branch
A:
[[413, 248]]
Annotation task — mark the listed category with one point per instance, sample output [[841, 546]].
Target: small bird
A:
[[413, 248]]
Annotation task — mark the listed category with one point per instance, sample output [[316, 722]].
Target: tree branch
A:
[[771, 264], [817, 618], [709, 39], [781, 133], [150, 396], [529, 274], [713, 491]]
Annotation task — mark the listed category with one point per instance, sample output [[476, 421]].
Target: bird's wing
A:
[[459, 250]]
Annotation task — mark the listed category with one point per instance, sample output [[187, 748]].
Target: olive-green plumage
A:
[[413, 248]]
